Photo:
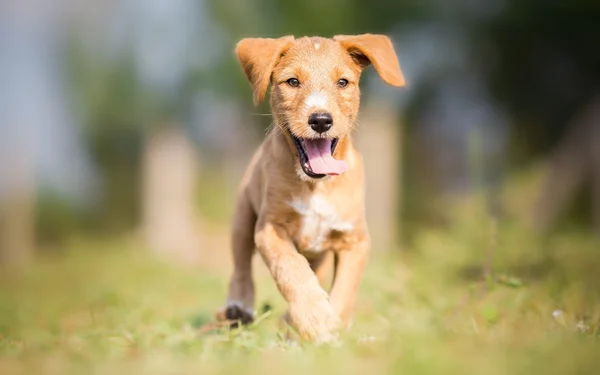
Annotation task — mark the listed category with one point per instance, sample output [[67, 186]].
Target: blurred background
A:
[[133, 118], [125, 127]]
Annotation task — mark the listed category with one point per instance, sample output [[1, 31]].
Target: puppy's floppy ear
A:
[[258, 57], [374, 49]]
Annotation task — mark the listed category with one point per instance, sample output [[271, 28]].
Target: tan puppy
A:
[[303, 193]]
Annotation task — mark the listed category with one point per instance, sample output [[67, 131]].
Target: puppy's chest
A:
[[320, 224]]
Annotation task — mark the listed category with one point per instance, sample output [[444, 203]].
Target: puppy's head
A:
[[315, 94]]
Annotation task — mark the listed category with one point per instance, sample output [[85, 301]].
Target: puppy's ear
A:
[[374, 49], [258, 57]]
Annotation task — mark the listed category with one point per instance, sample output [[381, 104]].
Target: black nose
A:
[[320, 121]]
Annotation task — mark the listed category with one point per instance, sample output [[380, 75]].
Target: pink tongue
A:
[[320, 159]]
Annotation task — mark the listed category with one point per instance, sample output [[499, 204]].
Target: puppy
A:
[[302, 195]]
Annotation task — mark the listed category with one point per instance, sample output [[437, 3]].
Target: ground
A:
[[107, 307]]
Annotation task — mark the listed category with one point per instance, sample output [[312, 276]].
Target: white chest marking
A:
[[316, 99], [318, 218]]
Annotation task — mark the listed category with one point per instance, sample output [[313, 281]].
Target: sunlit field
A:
[[472, 297]]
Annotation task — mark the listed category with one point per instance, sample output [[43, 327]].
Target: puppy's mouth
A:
[[316, 156]]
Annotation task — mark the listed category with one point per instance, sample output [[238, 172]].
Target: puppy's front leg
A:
[[310, 313], [349, 267]]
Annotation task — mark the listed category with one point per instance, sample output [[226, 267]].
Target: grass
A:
[[107, 307]]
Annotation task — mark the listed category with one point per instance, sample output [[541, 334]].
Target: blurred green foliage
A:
[[545, 65]]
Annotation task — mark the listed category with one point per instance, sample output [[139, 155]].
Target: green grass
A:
[[106, 307]]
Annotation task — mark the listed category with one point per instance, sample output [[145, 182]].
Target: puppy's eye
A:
[[293, 82], [342, 83]]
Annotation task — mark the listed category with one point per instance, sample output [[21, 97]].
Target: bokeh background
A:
[[131, 122]]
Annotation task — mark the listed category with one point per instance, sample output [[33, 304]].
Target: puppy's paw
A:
[[314, 319], [236, 314]]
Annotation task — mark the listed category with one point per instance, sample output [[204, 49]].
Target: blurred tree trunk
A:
[[379, 139], [17, 207], [576, 158], [170, 169], [594, 124]]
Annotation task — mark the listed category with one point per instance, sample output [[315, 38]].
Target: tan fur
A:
[[295, 221]]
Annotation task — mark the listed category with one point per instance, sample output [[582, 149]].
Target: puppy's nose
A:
[[320, 121]]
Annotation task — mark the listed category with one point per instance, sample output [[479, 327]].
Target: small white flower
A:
[[366, 339], [582, 326]]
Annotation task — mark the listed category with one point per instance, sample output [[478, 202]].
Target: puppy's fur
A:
[[291, 214]]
